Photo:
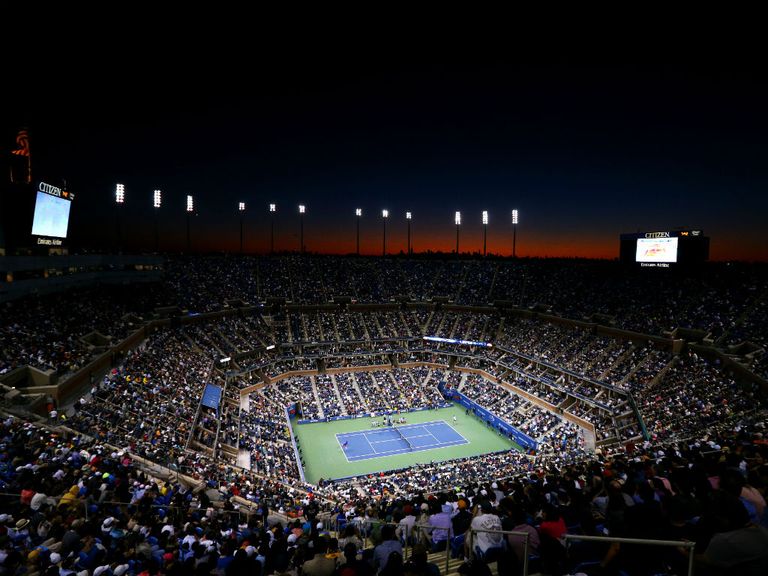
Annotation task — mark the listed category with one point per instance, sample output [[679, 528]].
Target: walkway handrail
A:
[[641, 541], [526, 542]]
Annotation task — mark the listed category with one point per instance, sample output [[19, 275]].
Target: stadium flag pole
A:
[[22, 141]]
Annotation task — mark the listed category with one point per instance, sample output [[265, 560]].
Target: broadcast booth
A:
[[665, 250]]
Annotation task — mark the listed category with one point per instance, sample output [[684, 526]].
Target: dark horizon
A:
[[584, 153]]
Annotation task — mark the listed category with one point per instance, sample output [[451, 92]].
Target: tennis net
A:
[[410, 446]]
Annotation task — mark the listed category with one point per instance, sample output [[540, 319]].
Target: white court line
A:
[[371, 454], [430, 433], [342, 449], [427, 448], [371, 445], [449, 426], [403, 427]]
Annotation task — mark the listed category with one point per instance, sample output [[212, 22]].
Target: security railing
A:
[[640, 541], [472, 532], [422, 534]]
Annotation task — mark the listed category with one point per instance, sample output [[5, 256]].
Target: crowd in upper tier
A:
[[726, 303]]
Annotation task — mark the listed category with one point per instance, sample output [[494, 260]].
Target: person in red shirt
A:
[[553, 524]]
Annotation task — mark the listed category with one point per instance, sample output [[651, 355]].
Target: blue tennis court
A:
[[398, 440]]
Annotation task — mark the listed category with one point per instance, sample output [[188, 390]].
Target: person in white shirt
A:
[[486, 519]]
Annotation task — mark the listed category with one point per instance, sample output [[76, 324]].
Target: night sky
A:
[[583, 152]]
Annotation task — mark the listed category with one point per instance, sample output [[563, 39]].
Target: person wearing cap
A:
[[462, 520], [19, 533], [405, 526]]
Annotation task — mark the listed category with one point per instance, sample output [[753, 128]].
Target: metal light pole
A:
[[457, 219], [157, 200], [119, 200], [408, 218], [190, 208], [514, 233], [241, 209], [384, 216], [485, 232], [272, 210], [302, 210], [358, 214]]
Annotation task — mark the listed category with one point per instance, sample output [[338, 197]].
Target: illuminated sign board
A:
[[462, 342], [51, 217]]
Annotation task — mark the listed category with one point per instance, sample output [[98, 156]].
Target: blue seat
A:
[[457, 546]]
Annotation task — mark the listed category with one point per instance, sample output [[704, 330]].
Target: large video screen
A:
[[656, 250], [51, 216]]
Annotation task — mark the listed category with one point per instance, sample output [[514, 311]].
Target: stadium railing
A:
[[637, 541], [422, 533], [526, 555]]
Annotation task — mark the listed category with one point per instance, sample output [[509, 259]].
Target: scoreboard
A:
[[664, 249]]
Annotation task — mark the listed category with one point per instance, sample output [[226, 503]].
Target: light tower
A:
[[485, 231], [302, 210], [457, 219], [241, 209], [119, 201], [358, 215], [514, 233], [272, 210], [384, 216], [190, 209], [157, 200], [408, 219]]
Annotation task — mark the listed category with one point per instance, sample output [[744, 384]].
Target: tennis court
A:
[[323, 457], [400, 439]]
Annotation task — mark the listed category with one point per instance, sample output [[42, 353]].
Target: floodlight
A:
[[358, 211], [457, 218], [407, 215], [385, 213], [120, 193], [273, 208], [514, 216], [302, 209], [157, 199], [190, 204], [485, 216], [241, 206]]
